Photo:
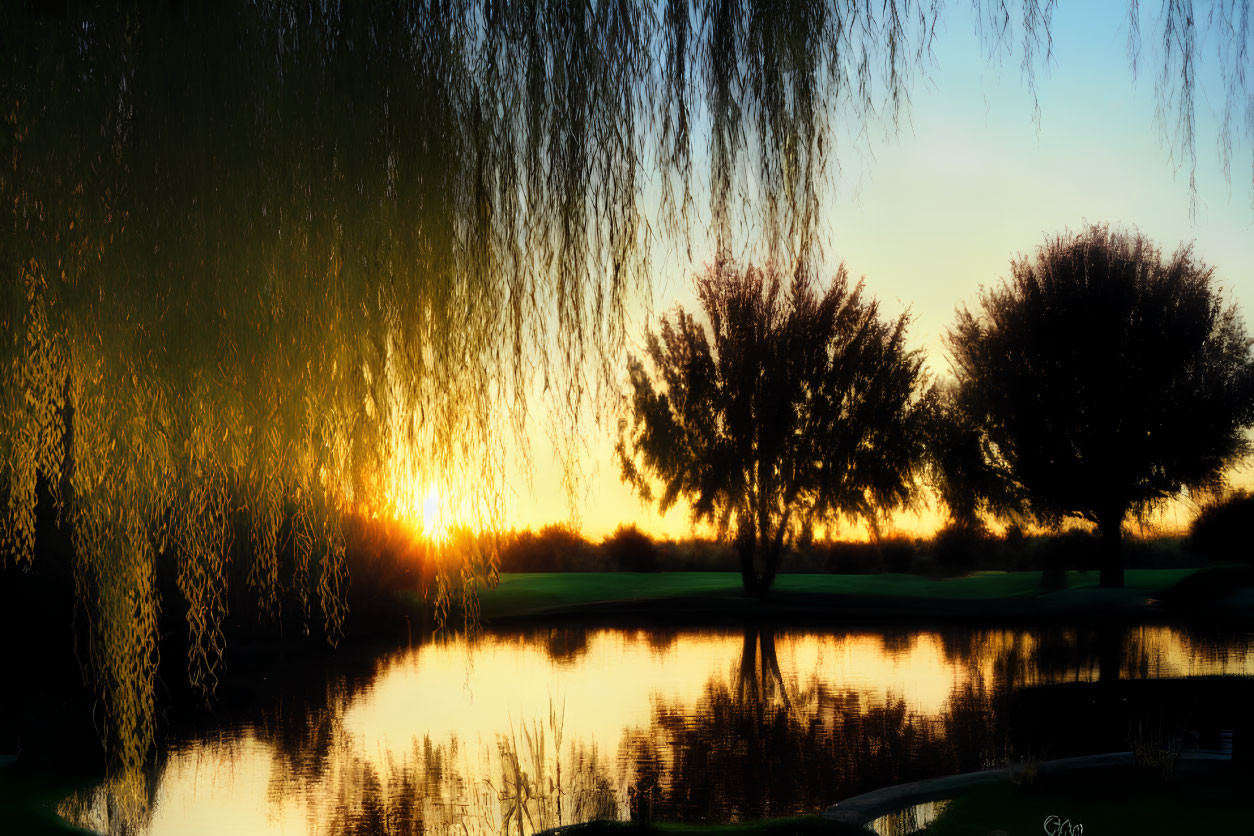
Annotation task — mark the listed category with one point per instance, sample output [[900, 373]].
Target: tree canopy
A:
[[1104, 378], [795, 405], [957, 467]]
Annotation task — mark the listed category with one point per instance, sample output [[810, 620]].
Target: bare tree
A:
[[1103, 378], [797, 404]]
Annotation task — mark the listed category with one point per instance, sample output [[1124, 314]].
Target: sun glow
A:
[[421, 504], [430, 515]]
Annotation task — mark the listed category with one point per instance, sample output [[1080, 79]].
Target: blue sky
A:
[[931, 212]]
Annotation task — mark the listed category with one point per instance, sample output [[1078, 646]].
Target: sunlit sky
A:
[[934, 211]]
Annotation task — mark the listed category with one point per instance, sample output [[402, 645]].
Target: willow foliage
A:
[[263, 256]]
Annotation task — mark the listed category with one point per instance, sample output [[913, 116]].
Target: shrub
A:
[[897, 554], [629, 549], [961, 547], [383, 558], [843, 557], [1017, 551], [1206, 586], [1155, 748], [697, 555], [1224, 530], [1074, 548], [555, 548], [1023, 771]]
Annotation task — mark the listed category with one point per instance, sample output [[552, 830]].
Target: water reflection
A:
[[771, 744], [511, 734]]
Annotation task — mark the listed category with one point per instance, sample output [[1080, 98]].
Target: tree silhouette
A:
[[1103, 378], [956, 464], [796, 405]]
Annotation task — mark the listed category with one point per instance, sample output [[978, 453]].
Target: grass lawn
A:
[[536, 593], [1211, 801]]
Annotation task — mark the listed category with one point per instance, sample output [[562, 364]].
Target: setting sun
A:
[[421, 505], [433, 524]]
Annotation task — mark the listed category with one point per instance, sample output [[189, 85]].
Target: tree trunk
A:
[[1111, 529], [748, 574], [757, 583], [770, 565]]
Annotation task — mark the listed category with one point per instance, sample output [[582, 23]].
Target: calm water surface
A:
[[517, 733]]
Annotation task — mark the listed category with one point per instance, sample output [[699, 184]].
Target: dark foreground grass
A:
[[29, 799], [1206, 801], [539, 594], [1210, 800]]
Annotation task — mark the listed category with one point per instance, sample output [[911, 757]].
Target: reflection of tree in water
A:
[[758, 746], [565, 645], [303, 745], [432, 791], [423, 794], [975, 729], [759, 681], [122, 804], [298, 711], [376, 812], [755, 743], [897, 641], [660, 639], [1103, 651], [527, 781]]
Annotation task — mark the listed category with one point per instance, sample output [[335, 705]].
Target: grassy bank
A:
[[826, 596], [1211, 801]]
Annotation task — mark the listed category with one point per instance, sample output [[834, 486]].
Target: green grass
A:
[[542, 590], [1123, 802], [536, 593]]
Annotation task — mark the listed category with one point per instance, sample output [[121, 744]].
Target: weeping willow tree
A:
[[263, 256]]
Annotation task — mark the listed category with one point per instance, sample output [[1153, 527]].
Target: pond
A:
[[517, 732]]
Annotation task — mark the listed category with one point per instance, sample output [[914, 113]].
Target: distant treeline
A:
[[1220, 532]]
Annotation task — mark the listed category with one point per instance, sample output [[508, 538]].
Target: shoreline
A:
[[715, 599], [862, 809]]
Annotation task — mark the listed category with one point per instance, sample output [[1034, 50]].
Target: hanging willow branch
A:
[[270, 254]]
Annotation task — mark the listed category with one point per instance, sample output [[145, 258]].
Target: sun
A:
[[431, 515], [422, 505]]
